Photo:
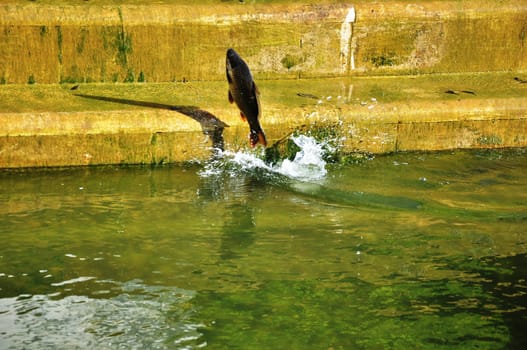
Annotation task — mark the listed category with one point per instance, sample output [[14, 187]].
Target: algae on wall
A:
[[160, 43], [164, 43], [29, 53]]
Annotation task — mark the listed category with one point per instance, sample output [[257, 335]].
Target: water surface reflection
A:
[[373, 256]]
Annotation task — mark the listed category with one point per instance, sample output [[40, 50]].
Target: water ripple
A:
[[140, 317]]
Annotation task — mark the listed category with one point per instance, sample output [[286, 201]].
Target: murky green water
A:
[[411, 251]]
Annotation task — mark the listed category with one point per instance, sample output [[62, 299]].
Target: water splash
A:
[[308, 164]]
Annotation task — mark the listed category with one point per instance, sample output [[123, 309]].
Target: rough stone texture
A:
[[159, 43], [86, 42], [153, 137]]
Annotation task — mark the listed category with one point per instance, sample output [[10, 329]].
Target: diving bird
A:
[[244, 92]]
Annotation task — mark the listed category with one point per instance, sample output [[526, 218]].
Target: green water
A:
[[409, 251]]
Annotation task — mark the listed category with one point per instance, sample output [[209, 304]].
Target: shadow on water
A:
[[331, 196], [488, 313], [503, 286], [239, 227], [365, 200], [239, 231], [210, 124], [515, 294]]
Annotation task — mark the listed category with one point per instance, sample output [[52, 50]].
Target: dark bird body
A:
[[456, 92], [243, 91]]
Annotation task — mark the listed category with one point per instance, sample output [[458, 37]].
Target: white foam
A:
[[72, 281], [308, 164]]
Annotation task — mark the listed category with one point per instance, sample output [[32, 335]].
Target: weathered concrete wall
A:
[[159, 43], [107, 137], [492, 123], [96, 149], [467, 36], [50, 44], [83, 42], [152, 137]]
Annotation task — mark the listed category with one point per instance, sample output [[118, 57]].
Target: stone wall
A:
[[172, 42]]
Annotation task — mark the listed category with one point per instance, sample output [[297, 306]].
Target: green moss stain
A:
[[123, 43], [489, 140], [43, 31], [59, 43], [153, 139], [283, 149], [385, 59], [289, 61], [79, 48], [523, 35], [130, 76]]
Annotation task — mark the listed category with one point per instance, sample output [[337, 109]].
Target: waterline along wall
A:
[[173, 43]]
